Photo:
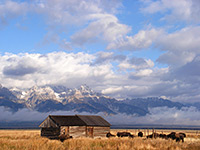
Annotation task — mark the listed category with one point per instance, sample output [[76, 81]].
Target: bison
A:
[[154, 135], [109, 135], [64, 137], [164, 136], [140, 134], [177, 136], [183, 134], [124, 134]]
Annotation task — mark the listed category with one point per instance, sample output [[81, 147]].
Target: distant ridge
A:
[[81, 99]]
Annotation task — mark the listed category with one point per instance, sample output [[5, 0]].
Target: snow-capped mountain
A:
[[81, 99], [36, 95], [9, 100]]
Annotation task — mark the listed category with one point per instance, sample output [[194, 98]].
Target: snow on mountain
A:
[[80, 99], [61, 94], [35, 95]]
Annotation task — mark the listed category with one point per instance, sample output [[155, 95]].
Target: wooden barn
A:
[[76, 126]]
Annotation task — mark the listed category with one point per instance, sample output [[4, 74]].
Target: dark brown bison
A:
[[124, 134], [177, 136], [64, 137], [109, 135], [164, 136], [183, 134], [154, 135], [140, 134]]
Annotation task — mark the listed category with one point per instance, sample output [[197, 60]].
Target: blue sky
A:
[[123, 49]]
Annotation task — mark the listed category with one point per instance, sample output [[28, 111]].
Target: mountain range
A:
[[81, 99]]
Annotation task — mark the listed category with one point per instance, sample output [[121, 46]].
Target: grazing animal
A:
[[124, 134], [183, 134], [64, 137], [109, 135], [140, 134], [177, 136], [154, 135], [164, 136]]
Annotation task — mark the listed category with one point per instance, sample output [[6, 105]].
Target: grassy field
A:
[[31, 140]]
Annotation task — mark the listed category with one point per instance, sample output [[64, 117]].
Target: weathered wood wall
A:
[[100, 131], [74, 131], [77, 131], [50, 132], [83, 131]]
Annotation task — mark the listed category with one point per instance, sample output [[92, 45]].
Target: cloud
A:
[[26, 70], [106, 27], [72, 24], [93, 18], [136, 63], [115, 75], [181, 46], [11, 9], [19, 70], [159, 115], [184, 10], [65, 12], [69, 69], [107, 57], [143, 39], [28, 115], [188, 73]]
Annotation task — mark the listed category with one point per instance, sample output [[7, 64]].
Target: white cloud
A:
[[71, 70], [106, 27], [75, 12], [112, 90], [119, 75], [25, 70], [10, 9], [144, 72], [107, 57], [159, 115], [93, 18], [184, 10], [67, 12], [142, 79], [181, 46], [143, 39]]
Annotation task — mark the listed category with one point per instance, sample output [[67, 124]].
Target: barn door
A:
[[90, 131], [67, 131]]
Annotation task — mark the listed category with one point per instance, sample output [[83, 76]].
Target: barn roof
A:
[[77, 120], [94, 120]]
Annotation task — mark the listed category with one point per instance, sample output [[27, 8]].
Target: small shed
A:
[[76, 126]]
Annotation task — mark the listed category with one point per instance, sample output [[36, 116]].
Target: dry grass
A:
[[31, 140]]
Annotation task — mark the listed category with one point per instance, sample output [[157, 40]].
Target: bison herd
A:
[[173, 135]]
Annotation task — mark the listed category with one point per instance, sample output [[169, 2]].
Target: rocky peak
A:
[[86, 90], [41, 92]]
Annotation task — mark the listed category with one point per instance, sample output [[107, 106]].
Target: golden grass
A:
[[31, 140]]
